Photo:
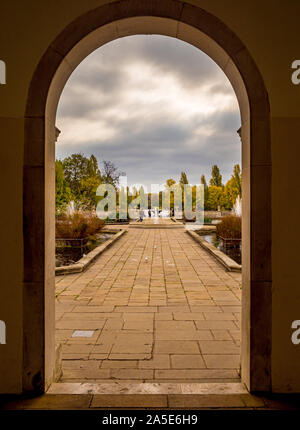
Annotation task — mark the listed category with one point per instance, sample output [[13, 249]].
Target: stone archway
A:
[[90, 31]]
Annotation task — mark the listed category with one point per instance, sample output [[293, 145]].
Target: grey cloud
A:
[[222, 121], [103, 71], [151, 149], [99, 76], [105, 85], [148, 160], [185, 61], [74, 106]]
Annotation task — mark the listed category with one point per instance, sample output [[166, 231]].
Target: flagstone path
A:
[[157, 308]]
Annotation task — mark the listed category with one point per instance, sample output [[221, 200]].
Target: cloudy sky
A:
[[153, 105]]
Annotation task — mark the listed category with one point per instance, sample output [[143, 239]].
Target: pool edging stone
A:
[[85, 261], [226, 261]]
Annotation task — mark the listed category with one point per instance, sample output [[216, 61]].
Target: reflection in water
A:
[[233, 251], [67, 255]]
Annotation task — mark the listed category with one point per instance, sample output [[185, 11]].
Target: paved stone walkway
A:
[[158, 309]]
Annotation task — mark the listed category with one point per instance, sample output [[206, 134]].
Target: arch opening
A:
[[194, 26]]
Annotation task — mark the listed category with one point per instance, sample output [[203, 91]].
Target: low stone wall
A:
[[85, 261], [205, 228], [222, 258], [160, 223], [216, 214]]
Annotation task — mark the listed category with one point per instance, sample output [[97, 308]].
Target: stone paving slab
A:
[[160, 309], [74, 396]]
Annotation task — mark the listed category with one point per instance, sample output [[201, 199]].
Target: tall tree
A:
[[93, 168], [182, 182], [77, 167], [62, 191], [206, 192], [216, 177], [170, 182], [237, 178], [168, 193], [82, 176], [203, 181], [110, 173], [217, 198], [183, 179], [233, 187], [88, 198]]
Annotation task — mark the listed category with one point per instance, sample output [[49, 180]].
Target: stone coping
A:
[[153, 226], [204, 228], [147, 388], [144, 225], [222, 258], [208, 228], [222, 400], [85, 261]]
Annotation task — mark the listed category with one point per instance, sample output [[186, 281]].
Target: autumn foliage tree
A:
[[82, 176], [206, 192], [62, 190], [233, 188], [219, 196], [78, 178], [216, 177]]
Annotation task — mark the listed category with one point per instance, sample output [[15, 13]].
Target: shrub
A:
[[77, 226], [230, 227]]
